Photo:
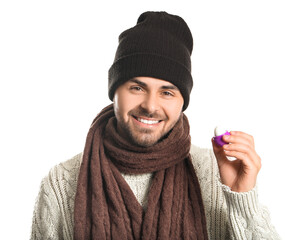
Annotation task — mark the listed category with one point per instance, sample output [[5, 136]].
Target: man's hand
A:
[[240, 175]]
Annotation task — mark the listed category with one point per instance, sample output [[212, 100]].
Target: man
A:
[[138, 176]]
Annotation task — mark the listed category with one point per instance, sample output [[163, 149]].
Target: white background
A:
[[248, 63]]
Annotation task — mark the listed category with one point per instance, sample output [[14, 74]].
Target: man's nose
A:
[[150, 103]]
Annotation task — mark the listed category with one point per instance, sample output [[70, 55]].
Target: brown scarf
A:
[[105, 206]]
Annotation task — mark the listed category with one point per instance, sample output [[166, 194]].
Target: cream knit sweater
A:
[[229, 215]]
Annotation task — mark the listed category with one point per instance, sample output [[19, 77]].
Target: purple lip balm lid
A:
[[218, 139]]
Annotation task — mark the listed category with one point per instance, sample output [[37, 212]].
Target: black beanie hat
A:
[[159, 46]]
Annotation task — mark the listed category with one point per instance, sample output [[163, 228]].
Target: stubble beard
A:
[[140, 136]]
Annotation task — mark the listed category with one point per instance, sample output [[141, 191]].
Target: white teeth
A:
[[147, 121]]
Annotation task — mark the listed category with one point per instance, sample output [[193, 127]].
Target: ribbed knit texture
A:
[[159, 46], [229, 215]]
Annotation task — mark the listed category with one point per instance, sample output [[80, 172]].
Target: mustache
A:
[[145, 113]]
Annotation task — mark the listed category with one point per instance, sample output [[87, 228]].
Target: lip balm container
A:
[[218, 139], [218, 136]]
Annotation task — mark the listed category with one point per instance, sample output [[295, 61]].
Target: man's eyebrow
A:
[[164, 87], [169, 87], [138, 82]]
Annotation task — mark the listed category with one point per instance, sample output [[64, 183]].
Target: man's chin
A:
[[142, 137], [145, 142]]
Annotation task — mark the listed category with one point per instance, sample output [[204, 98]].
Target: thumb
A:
[[218, 152]]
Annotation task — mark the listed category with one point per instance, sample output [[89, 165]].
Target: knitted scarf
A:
[[105, 206]]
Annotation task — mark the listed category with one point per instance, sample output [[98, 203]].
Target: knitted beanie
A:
[[158, 46]]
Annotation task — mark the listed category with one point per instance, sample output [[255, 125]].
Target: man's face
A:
[[147, 109]]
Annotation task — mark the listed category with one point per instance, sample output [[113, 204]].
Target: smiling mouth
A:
[[146, 121]]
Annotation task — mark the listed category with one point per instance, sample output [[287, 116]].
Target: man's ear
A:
[[115, 98]]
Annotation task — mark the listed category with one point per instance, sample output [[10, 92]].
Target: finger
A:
[[250, 159], [218, 150], [243, 135], [240, 156], [239, 147], [238, 139], [243, 149]]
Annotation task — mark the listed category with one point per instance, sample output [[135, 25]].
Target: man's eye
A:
[[166, 93], [136, 88]]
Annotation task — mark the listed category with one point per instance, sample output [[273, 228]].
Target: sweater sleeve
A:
[[46, 218], [230, 215], [53, 212], [248, 219]]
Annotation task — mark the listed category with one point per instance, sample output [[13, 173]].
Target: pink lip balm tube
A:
[[218, 136]]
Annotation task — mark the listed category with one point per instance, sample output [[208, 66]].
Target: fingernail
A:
[[226, 146], [226, 137]]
